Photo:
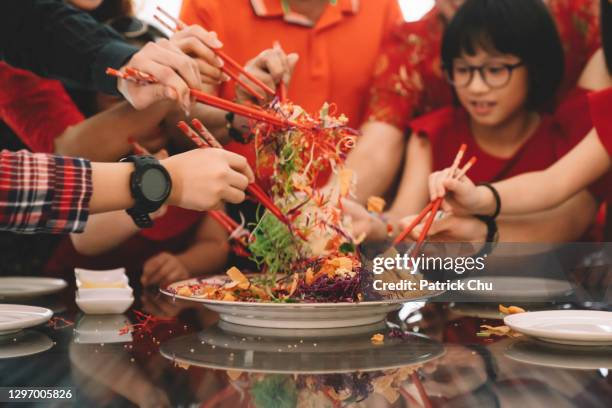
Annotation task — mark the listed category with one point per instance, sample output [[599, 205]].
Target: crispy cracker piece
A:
[[184, 291], [376, 204], [309, 278], [378, 338], [294, 285], [511, 309], [229, 296], [234, 374], [235, 275]]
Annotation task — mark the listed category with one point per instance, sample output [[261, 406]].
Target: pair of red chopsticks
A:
[[204, 139], [137, 76], [231, 63], [433, 207]]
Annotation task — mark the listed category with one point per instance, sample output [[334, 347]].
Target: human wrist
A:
[[175, 197], [486, 203]]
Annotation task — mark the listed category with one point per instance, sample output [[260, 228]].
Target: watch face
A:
[[154, 185]]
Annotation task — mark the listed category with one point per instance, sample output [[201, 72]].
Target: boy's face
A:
[[492, 105]]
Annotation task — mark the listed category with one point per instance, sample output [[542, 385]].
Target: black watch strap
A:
[[143, 206]]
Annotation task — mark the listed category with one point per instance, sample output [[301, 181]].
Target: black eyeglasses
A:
[[495, 75]]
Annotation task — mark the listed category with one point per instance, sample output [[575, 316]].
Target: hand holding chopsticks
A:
[[229, 66], [434, 206], [203, 139]]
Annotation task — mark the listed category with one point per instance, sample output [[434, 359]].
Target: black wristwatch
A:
[[150, 185]]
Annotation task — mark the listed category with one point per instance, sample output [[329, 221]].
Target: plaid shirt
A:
[[43, 193]]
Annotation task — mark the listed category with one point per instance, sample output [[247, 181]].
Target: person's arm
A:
[[55, 194], [207, 254], [104, 232], [52, 38], [418, 163], [530, 192], [595, 75], [565, 223], [106, 136], [376, 159]]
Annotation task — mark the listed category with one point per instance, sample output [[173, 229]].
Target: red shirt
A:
[[408, 80], [38, 110], [337, 53], [448, 128], [600, 104]]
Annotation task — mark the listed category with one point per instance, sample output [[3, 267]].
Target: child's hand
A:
[[460, 195], [163, 269], [363, 222]]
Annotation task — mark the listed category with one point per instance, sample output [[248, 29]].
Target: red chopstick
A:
[[257, 192], [247, 111], [231, 62], [433, 207]]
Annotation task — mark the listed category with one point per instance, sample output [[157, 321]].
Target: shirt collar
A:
[[273, 8]]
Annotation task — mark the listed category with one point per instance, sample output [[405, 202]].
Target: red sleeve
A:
[[434, 124], [600, 104], [397, 83], [38, 110]]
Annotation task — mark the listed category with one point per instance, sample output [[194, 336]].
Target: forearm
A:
[[376, 159], [204, 257], [105, 136], [565, 223], [541, 190], [104, 232], [54, 39]]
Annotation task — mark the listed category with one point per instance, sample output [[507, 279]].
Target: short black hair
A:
[[523, 28], [606, 32]]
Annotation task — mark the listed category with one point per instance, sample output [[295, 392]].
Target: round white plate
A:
[[14, 318], [217, 349], [25, 343], [557, 355], [14, 287], [299, 315], [574, 327], [523, 288]]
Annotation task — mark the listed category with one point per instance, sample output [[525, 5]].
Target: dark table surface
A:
[[188, 358]]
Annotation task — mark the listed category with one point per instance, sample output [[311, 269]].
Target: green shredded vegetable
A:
[[273, 246]]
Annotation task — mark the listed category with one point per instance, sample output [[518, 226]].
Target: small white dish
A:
[[110, 278], [20, 287], [105, 293], [104, 305], [14, 318], [101, 329], [573, 327]]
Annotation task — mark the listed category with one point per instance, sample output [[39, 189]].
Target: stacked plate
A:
[[103, 292]]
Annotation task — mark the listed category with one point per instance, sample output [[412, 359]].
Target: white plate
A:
[[574, 327], [559, 356], [14, 318], [522, 288], [15, 287], [104, 306], [217, 349], [25, 343], [298, 315]]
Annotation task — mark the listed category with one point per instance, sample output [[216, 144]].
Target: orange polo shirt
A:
[[337, 53]]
